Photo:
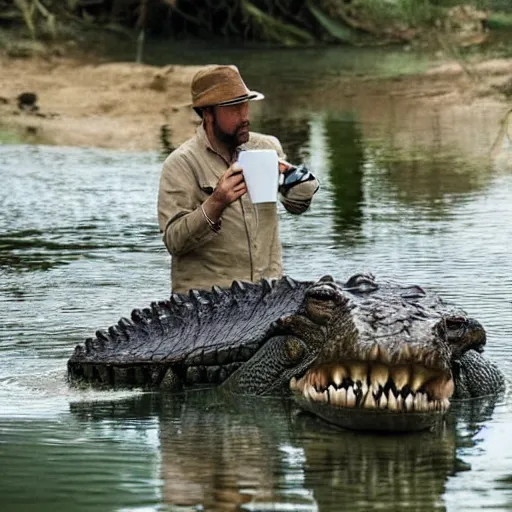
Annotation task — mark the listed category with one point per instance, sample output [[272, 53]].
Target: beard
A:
[[231, 140]]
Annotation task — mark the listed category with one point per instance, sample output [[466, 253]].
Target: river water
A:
[[407, 192]]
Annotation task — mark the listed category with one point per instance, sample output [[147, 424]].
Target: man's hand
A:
[[284, 166], [230, 187]]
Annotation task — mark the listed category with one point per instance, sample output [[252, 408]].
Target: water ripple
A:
[[79, 248]]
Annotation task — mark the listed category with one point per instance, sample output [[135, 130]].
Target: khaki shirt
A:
[[247, 247]]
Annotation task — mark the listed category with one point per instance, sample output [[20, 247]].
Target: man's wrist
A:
[[214, 225], [213, 208]]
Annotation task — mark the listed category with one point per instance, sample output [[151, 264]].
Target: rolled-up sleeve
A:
[[180, 218], [299, 197]]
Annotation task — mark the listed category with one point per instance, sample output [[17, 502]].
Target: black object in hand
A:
[[293, 176]]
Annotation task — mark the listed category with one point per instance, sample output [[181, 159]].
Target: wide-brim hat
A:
[[220, 86]]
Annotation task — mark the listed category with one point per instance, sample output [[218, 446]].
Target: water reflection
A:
[[408, 192], [32, 250], [293, 132], [63, 465], [223, 453], [395, 473], [346, 169], [501, 150], [428, 176]]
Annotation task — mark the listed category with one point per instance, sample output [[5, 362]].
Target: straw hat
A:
[[220, 86]]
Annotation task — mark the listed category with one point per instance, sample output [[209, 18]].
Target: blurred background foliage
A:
[[283, 22]]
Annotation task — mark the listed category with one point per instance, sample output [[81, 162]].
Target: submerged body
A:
[[361, 354]]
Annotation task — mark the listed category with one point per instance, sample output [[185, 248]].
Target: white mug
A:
[[261, 174]]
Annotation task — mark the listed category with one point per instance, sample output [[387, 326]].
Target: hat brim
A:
[[252, 96]]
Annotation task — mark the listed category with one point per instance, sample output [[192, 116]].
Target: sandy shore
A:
[[124, 105], [117, 105]]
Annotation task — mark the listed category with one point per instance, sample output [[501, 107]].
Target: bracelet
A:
[[214, 225]]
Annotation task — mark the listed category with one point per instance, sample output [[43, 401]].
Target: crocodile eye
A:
[[361, 283], [455, 322], [294, 349], [321, 301], [413, 292], [453, 328]]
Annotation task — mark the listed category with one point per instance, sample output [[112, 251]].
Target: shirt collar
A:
[[203, 138]]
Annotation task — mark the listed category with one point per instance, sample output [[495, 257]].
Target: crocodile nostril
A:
[[323, 291], [326, 279], [361, 283]]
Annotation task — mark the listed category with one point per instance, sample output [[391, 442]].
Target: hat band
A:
[[241, 99], [238, 99]]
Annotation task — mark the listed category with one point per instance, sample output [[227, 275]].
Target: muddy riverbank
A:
[[129, 106]]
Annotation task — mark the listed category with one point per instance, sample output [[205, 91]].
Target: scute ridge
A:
[[176, 328]]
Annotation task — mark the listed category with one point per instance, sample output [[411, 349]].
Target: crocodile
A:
[[363, 354]]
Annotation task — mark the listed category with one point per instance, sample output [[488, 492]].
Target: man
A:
[[210, 227]]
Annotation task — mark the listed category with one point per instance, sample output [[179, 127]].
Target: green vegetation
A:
[[29, 135], [8, 137], [500, 21], [284, 22]]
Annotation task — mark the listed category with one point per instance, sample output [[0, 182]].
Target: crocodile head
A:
[[365, 355]]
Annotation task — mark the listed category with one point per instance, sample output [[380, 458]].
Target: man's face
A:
[[231, 124]]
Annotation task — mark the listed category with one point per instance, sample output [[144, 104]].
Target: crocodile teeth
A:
[[439, 405], [319, 380], [439, 389], [314, 395], [417, 354], [400, 376], [351, 398], [310, 392], [358, 371], [404, 354], [373, 353], [338, 374], [384, 355], [372, 381], [361, 386], [338, 397], [392, 403], [369, 401], [420, 375], [423, 402], [379, 376], [408, 402], [432, 359]]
